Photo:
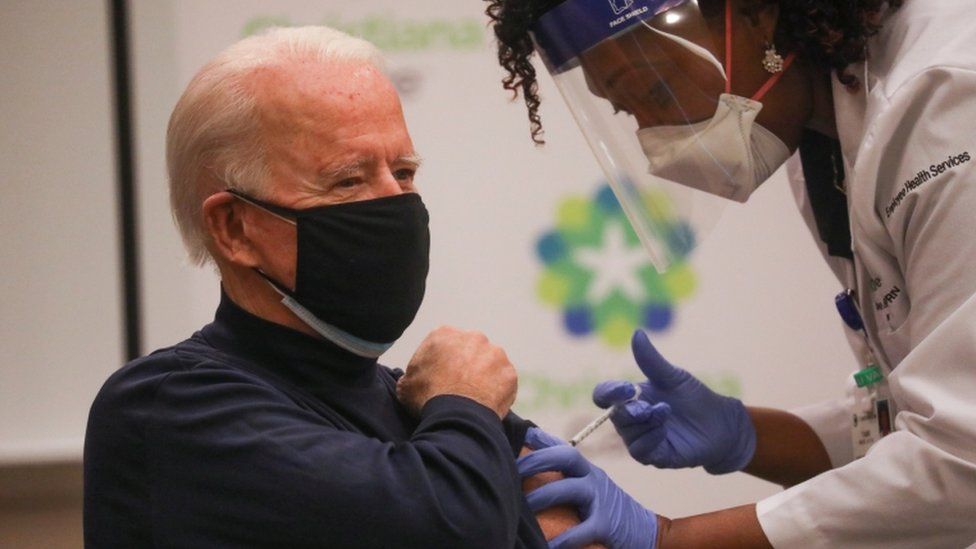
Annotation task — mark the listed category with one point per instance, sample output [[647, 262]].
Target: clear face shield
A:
[[645, 81]]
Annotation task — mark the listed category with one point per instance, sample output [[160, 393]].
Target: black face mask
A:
[[361, 269]]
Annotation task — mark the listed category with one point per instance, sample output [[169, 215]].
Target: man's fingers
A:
[[657, 369], [562, 459], [608, 393]]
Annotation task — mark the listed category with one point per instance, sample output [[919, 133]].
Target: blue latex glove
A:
[[610, 516], [677, 421]]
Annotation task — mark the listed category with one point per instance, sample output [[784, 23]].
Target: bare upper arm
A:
[[554, 520]]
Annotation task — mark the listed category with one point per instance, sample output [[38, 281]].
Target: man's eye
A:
[[405, 174], [348, 183]]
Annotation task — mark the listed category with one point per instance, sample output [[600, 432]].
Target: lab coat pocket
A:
[[894, 330], [892, 309], [889, 300]]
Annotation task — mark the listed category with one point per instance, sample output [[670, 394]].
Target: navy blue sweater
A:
[[250, 434]]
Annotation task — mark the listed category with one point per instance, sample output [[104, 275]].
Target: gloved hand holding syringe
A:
[[601, 419]]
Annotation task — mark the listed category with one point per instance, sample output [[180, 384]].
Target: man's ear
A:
[[224, 218]]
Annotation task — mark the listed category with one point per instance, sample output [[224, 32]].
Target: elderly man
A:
[[291, 169]]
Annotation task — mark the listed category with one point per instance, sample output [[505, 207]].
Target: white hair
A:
[[213, 141]]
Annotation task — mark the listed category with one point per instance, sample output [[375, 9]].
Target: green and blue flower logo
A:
[[599, 276]]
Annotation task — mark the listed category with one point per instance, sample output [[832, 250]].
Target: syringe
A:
[[601, 419]]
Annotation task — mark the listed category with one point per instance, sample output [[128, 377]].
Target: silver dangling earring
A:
[[773, 61]]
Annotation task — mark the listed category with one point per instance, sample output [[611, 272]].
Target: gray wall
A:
[[60, 312], [60, 331]]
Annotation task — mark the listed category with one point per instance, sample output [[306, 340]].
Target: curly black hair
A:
[[831, 34]]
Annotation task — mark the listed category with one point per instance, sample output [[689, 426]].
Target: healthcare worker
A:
[[879, 98]]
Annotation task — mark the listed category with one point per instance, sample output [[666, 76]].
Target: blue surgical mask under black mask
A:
[[361, 268]]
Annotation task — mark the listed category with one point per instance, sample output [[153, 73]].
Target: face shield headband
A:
[[561, 39]]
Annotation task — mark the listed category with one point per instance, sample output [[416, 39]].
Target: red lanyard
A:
[[728, 59]]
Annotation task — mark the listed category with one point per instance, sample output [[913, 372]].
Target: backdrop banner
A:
[[530, 246]]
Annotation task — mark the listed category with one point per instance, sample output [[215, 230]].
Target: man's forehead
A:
[[330, 119], [321, 89]]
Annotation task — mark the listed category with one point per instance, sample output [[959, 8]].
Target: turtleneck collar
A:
[[304, 360]]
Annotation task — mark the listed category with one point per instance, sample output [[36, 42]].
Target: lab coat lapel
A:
[[850, 109]]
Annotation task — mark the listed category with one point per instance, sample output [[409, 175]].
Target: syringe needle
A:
[[601, 419]]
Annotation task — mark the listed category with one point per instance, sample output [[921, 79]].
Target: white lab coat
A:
[[914, 239]]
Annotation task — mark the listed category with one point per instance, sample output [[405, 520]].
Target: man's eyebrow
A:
[[343, 171], [413, 159], [355, 167]]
